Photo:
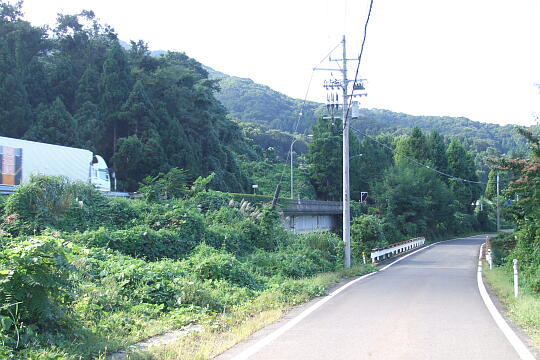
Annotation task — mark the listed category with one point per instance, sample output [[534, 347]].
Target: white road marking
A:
[[511, 336], [253, 349]]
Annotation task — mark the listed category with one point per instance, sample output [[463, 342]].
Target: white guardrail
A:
[[394, 249]]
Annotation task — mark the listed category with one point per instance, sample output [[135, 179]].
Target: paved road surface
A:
[[426, 306]]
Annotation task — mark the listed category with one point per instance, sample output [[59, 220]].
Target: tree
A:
[[15, 109], [54, 125], [374, 160], [461, 166], [63, 79], [135, 159], [491, 187], [324, 159], [414, 146], [88, 87], [115, 85], [526, 211], [138, 112], [90, 126], [437, 151], [415, 200]]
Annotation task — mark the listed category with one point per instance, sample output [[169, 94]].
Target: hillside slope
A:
[[251, 102]]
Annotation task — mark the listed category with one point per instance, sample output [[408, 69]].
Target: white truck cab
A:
[[99, 174]]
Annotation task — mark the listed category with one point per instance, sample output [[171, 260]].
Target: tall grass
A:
[[523, 310], [229, 329]]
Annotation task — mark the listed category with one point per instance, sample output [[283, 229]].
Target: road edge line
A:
[[255, 348], [518, 345]]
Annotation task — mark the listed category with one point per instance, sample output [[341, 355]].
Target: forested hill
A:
[[252, 102], [75, 85]]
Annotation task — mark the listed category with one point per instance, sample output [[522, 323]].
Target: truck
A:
[[20, 159]]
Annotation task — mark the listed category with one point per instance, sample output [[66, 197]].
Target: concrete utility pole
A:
[[346, 189], [344, 86]]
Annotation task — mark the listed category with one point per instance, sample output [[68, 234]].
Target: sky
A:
[[478, 59]]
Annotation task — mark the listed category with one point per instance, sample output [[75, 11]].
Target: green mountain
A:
[[248, 101], [251, 102]]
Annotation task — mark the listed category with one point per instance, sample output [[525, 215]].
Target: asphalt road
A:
[[426, 306]]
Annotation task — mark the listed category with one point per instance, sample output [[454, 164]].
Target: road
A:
[[426, 306]]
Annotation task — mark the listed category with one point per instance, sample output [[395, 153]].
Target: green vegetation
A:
[[523, 244], [525, 213], [75, 85], [255, 103], [251, 102], [246, 319], [405, 199], [82, 275], [524, 310]]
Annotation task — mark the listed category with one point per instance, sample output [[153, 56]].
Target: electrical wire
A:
[[302, 109], [359, 57], [394, 151]]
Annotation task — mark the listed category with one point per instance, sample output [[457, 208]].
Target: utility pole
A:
[[334, 103], [498, 211], [346, 189]]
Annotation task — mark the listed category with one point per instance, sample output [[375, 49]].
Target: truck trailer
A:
[[20, 159]]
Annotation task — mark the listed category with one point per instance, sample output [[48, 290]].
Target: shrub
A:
[[55, 202], [271, 232], [120, 212], [141, 241], [34, 275], [292, 262], [329, 244], [210, 200], [366, 234], [208, 263]]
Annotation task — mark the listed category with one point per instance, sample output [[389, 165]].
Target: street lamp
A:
[[290, 151]]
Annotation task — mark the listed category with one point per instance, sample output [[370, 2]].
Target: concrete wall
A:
[[301, 223]]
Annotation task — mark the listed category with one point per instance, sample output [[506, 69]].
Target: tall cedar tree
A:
[[461, 165], [115, 85]]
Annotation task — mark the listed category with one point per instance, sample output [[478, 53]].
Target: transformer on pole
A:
[[333, 104]]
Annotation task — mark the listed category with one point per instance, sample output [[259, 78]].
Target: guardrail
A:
[[397, 248]]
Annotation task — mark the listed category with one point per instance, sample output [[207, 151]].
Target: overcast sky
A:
[[473, 58]]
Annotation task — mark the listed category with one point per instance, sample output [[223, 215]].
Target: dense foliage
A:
[[255, 103], [75, 85], [524, 244], [82, 274], [403, 181], [251, 102]]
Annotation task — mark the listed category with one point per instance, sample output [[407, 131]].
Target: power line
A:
[[361, 52], [302, 109], [418, 162]]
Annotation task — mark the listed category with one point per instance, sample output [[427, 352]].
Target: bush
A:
[[309, 255], [329, 244], [176, 215], [210, 200], [209, 263], [121, 212], [366, 234], [141, 241], [55, 202], [527, 251], [34, 286]]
